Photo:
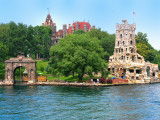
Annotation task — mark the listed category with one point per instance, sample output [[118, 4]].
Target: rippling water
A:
[[140, 102]]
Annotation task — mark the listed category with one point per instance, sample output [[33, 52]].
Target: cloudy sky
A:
[[103, 14]]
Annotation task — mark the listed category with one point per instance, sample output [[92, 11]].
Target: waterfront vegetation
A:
[[74, 58]]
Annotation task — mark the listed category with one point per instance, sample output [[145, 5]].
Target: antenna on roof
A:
[[48, 10], [84, 19]]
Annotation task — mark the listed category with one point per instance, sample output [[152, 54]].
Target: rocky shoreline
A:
[[71, 84]]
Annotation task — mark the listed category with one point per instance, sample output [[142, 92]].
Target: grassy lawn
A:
[[50, 77], [44, 64], [67, 78]]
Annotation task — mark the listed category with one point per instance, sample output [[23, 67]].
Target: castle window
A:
[[118, 43], [139, 71], [126, 49], [122, 57], [131, 36], [120, 35], [131, 70], [126, 36], [121, 50], [123, 42], [116, 51], [131, 42]]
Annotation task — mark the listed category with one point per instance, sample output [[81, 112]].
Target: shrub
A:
[[103, 80], [109, 81], [48, 69]]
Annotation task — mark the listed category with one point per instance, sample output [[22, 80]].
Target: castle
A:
[[126, 62], [57, 35]]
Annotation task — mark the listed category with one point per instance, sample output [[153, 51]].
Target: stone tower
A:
[[125, 44], [126, 62]]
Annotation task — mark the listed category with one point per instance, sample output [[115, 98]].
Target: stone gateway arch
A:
[[13, 63]]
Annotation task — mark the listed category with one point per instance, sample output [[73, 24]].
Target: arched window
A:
[[131, 42]]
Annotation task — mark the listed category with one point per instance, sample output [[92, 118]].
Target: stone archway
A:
[[28, 63]]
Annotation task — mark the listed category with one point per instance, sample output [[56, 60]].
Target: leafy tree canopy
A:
[[107, 41], [22, 39], [3, 53], [77, 53]]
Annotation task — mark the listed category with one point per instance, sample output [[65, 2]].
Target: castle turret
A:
[[64, 30]]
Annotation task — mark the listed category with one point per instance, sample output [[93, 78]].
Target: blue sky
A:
[[101, 13]]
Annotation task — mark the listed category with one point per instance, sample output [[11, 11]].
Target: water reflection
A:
[[59, 102]]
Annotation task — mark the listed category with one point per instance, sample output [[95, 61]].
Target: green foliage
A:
[[79, 32], [48, 69], [42, 68], [42, 63], [2, 71], [3, 52], [77, 53], [22, 39], [146, 50], [107, 41]]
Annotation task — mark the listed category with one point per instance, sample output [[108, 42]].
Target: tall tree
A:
[[43, 42], [78, 53], [144, 48], [3, 53], [107, 41]]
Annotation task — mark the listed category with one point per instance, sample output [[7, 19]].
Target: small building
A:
[[126, 62]]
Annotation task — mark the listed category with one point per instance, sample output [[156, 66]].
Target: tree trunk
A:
[[80, 77]]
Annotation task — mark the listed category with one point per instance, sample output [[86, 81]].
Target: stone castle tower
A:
[[125, 44], [126, 62]]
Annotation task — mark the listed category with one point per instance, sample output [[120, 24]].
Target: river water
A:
[[132, 102]]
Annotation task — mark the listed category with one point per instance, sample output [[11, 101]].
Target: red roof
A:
[[81, 26]]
